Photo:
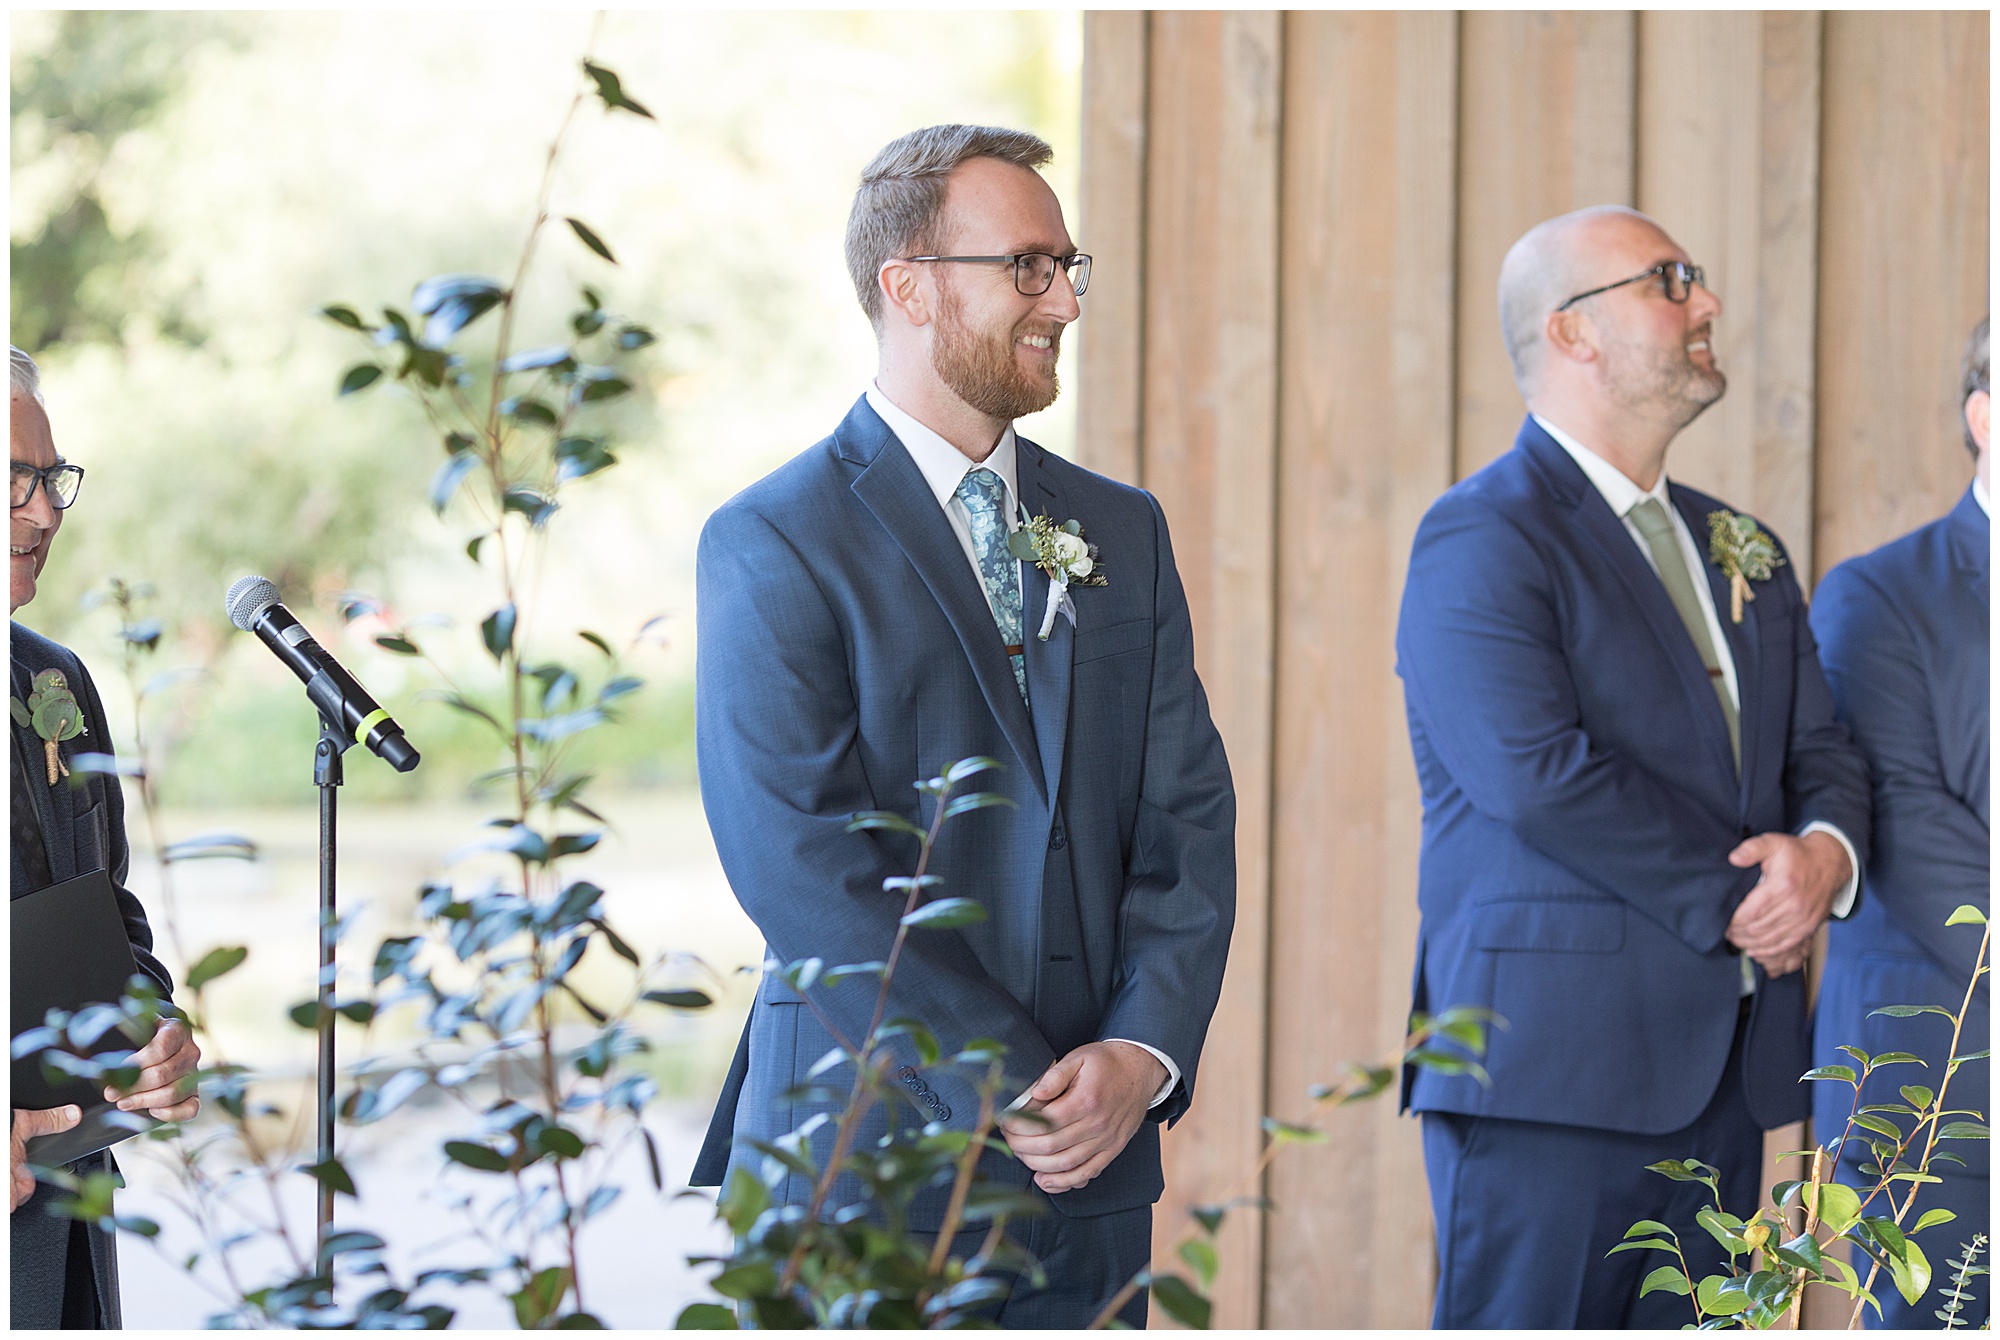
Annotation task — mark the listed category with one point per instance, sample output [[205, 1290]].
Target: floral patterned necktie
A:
[[984, 496]]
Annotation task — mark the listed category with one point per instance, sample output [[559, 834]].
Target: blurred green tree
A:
[[101, 77]]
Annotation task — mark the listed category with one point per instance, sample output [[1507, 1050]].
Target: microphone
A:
[[253, 606]]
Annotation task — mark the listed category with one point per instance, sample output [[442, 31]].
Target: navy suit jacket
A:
[[1580, 804], [83, 827], [1903, 632], [845, 648]]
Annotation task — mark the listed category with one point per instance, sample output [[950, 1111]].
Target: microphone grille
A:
[[248, 598]]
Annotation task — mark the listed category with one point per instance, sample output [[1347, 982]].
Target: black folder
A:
[[70, 950]]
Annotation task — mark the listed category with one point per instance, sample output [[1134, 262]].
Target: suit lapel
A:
[[1607, 533], [1745, 639], [1048, 662], [894, 490], [1971, 532], [53, 804], [1649, 595]]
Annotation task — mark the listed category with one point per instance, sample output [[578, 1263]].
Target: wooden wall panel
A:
[[1904, 268], [1112, 228], [1545, 126], [1364, 447], [1210, 404], [1299, 224], [1728, 163]]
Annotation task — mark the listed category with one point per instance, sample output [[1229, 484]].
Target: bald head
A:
[[1554, 259]]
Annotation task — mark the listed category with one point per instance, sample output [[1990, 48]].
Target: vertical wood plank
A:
[[1112, 230], [1365, 445], [1904, 267], [1210, 403], [1545, 127], [1728, 163]]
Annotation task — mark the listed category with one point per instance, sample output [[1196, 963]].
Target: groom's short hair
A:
[[901, 198]]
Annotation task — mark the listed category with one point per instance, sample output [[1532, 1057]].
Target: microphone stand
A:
[[327, 776]]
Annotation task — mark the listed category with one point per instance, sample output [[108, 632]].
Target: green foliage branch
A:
[[847, 1257], [1773, 1257]]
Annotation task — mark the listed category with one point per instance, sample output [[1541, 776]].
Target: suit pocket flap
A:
[[1094, 644], [1552, 927], [773, 991]]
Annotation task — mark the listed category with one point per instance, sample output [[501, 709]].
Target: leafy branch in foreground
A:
[[1464, 1026], [843, 1262], [1769, 1263]]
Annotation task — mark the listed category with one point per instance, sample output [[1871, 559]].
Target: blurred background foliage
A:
[[188, 189]]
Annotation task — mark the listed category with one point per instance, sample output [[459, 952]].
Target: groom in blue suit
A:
[[862, 624], [1638, 806], [1903, 631]]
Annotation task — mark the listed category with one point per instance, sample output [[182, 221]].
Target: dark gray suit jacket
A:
[[1903, 631], [845, 649], [83, 826]]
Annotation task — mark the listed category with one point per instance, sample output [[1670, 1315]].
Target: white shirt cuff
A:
[[1173, 1071], [1843, 902]]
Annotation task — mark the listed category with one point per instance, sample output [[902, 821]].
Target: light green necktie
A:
[[1652, 521]]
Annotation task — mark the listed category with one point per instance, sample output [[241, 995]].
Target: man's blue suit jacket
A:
[[1903, 632], [845, 648], [1580, 804]]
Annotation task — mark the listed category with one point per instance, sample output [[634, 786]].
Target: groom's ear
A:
[[904, 296]]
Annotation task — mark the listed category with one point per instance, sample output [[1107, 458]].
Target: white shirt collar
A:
[[943, 465], [1620, 492], [1979, 495]]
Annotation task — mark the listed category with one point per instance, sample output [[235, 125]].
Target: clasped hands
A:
[[1088, 1103], [163, 1091], [1775, 922]]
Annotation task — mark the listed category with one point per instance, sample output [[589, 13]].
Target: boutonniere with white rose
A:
[[1744, 553], [1061, 552]]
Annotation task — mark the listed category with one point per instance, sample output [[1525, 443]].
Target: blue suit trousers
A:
[[1526, 1211]]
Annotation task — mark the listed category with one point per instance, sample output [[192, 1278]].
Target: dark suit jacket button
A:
[[943, 1112], [906, 1074], [1060, 840]]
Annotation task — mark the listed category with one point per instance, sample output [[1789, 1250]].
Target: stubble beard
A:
[[1666, 384], [981, 369]]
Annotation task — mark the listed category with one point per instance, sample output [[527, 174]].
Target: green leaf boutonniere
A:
[[1743, 552], [1061, 552], [52, 710]]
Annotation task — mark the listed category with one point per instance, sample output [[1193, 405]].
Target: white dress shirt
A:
[[1979, 495], [944, 467], [1623, 495]]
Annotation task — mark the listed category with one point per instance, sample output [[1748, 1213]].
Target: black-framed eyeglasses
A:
[[1678, 278], [62, 480], [1034, 271]]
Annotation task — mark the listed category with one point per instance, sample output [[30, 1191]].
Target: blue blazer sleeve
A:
[[776, 732], [1179, 903], [1930, 846], [1480, 647]]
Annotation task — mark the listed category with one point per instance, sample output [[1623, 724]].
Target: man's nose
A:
[[37, 511], [1706, 306], [1060, 302]]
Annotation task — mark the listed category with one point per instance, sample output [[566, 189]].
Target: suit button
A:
[[1059, 840], [943, 1112]]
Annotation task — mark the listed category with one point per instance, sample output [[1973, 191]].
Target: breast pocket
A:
[[1096, 644]]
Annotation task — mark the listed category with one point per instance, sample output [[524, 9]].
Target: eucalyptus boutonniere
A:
[[1744, 553], [1061, 552], [51, 709]]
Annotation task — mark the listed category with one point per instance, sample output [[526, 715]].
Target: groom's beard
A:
[[981, 368]]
